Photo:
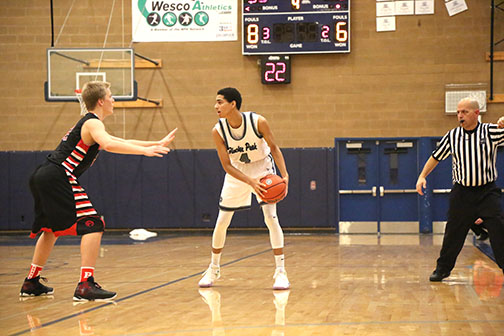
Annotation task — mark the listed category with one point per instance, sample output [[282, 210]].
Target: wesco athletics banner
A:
[[184, 20]]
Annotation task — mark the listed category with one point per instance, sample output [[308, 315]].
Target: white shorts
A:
[[237, 195]]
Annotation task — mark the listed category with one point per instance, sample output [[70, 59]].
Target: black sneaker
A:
[[482, 236], [89, 290], [33, 287], [438, 276]]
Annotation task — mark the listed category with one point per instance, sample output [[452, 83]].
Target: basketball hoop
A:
[[84, 110]]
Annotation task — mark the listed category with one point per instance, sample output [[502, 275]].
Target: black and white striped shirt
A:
[[474, 153]]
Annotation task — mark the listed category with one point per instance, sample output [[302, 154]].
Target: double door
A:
[[375, 185]]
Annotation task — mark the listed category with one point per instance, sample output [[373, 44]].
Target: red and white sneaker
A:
[[89, 290], [33, 287]]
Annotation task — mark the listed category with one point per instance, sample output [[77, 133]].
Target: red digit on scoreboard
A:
[[341, 33], [274, 72], [325, 31], [266, 33], [280, 71], [252, 33]]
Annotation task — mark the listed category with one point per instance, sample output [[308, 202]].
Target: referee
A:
[[474, 195]]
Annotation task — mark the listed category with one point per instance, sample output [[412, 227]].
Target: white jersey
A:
[[247, 146]]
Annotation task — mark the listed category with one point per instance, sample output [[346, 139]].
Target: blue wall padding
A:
[[180, 190], [4, 190], [289, 210], [153, 192], [128, 189], [332, 212], [254, 217], [179, 201], [21, 166], [208, 177], [314, 188]]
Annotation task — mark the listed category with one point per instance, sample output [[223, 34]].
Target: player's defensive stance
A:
[[246, 149], [62, 206]]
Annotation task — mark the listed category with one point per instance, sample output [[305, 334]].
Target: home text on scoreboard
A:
[[295, 26]]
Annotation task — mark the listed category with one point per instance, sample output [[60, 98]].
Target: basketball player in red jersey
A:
[[246, 149], [62, 206]]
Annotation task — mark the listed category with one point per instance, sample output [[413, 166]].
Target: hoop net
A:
[[84, 110]]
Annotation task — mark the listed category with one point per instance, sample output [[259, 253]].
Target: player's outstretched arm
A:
[[93, 131], [230, 169], [265, 130], [169, 138], [428, 167], [163, 142]]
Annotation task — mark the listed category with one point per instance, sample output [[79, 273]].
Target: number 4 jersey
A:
[[244, 144]]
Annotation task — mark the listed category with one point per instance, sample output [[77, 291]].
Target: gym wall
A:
[[391, 84]]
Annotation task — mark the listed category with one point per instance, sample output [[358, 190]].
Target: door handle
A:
[[373, 190], [400, 191], [382, 191], [358, 191], [441, 191]]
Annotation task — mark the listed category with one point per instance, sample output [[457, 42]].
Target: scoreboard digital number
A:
[[275, 69], [295, 27]]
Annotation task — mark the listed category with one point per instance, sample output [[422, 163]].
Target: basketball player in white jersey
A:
[[248, 152]]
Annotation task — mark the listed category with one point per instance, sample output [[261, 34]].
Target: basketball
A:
[[275, 188]]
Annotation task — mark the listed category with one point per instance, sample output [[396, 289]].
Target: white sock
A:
[[216, 259], [280, 261]]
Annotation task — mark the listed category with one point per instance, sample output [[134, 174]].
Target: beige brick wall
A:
[[390, 85]]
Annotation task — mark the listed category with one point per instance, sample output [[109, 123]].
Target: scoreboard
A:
[[295, 26], [275, 69]]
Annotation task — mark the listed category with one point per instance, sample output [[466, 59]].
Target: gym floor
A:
[[340, 285]]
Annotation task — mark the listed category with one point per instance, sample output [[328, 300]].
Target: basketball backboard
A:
[[69, 68]]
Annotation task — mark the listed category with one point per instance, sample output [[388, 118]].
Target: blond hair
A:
[[92, 92]]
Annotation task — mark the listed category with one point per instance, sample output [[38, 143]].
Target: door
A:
[[356, 189], [439, 184], [397, 196], [376, 185]]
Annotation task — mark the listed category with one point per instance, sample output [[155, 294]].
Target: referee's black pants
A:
[[466, 205]]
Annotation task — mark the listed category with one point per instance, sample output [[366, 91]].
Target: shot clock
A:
[[295, 27], [275, 69]]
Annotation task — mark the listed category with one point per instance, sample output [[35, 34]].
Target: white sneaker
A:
[[210, 276], [281, 281]]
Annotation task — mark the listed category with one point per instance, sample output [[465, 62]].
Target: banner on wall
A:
[[184, 20]]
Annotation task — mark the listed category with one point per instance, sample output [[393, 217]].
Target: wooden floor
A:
[[341, 285]]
